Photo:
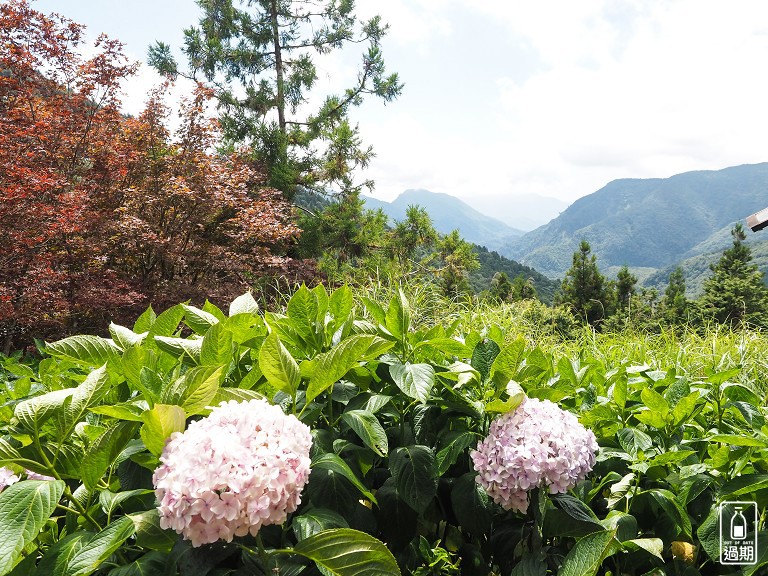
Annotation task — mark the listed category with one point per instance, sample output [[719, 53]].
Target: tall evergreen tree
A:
[[258, 55], [675, 303], [625, 287], [583, 287], [736, 293]]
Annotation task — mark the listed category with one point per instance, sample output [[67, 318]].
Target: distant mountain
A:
[[492, 262], [522, 211], [448, 213], [647, 224]]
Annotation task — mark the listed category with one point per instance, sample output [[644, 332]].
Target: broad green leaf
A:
[[179, 346], [278, 366], [414, 380], [654, 546], [516, 396], [89, 393], [330, 461], [452, 446], [56, 558], [149, 564], [368, 428], [303, 311], [709, 535], [415, 474], [149, 534], [110, 501], [9, 455], [24, 509], [101, 454], [508, 361], [125, 337], [211, 308], [334, 364], [586, 557], [655, 401], [86, 350], [398, 316], [684, 408], [718, 378], [145, 321], [340, 306], [483, 356], [159, 423], [625, 525], [100, 547], [134, 359], [347, 552], [651, 418], [669, 503], [167, 323], [619, 490], [216, 349], [227, 393], [244, 304], [131, 411], [448, 346], [737, 440], [633, 441], [32, 413], [316, 520], [745, 484], [471, 505], [198, 320], [194, 390], [575, 508], [376, 311]]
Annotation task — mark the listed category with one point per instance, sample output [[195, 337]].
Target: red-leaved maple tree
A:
[[101, 214]]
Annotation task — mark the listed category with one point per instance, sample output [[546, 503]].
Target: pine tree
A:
[[258, 55], [583, 287], [736, 293], [625, 287], [500, 288], [675, 303]]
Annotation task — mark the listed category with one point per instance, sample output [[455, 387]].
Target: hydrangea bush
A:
[[229, 474], [536, 445]]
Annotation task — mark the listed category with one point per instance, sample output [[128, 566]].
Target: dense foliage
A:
[[396, 408], [100, 213]]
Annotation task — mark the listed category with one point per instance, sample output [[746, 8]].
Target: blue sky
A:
[[504, 99]]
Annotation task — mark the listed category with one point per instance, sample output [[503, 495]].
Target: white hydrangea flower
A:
[[536, 445], [7, 477], [242, 467]]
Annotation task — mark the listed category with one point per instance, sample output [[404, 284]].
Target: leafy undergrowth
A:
[[396, 400]]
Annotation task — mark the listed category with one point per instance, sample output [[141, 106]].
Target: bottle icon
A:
[[738, 525]]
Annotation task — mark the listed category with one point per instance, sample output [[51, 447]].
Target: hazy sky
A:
[[505, 98]]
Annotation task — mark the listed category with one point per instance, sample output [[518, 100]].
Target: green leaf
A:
[[398, 316], [334, 364], [198, 320], [453, 445], [145, 321], [737, 440], [575, 508], [668, 502], [89, 393], [745, 484], [216, 349], [340, 306], [179, 346], [709, 535], [167, 323], [86, 350], [194, 390], [125, 337], [684, 408], [415, 380], [159, 423], [347, 552], [368, 428], [32, 413], [471, 505], [655, 401], [24, 509], [316, 520], [278, 366], [415, 474], [508, 361], [303, 311], [483, 356], [330, 461], [134, 359], [102, 452], [633, 441], [448, 346], [654, 546], [228, 393], [149, 564], [586, 557], [100, 547], [56, 558], [149, 534], [376, 311], [244, 304]]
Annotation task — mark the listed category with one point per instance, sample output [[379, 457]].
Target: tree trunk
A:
[[278, 67]]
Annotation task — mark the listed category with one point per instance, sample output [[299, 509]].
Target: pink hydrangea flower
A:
[[7, 477], [536, 445], [35, 476], [227, 475]]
